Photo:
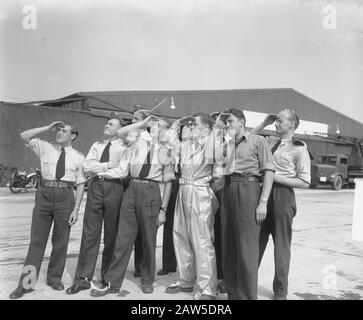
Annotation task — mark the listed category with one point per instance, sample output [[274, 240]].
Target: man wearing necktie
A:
[[62, 168], [292, 162], [143, 207], [106, 165], [139, 115]]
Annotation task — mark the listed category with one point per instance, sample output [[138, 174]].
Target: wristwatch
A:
[[163, 209], [263, 200]]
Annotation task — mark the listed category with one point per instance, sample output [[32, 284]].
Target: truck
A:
[[336, 168]]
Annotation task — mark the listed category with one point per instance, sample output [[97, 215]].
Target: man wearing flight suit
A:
[[292, 163], [143, 207], [106, 165], [244, 206], [61, 167], [194, 215]]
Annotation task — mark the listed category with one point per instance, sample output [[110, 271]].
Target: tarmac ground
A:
[[326, 264]]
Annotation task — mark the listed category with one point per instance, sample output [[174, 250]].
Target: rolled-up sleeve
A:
[[39, 146], [264, 155], [302, 162], [123, 168], [90, 159], [91, 163]]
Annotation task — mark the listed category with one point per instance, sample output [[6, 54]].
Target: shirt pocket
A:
[[49, 167], [71, 168], [283, 159]]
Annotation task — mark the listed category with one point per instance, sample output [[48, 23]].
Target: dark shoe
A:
[[207, 297], [137, 274], [175, 288], [75, 288], [19, 292], [222, 287], [56, 286], [105, 290], [279, 297], [147, 288], [163, 272]]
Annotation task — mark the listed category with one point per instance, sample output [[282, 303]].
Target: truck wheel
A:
[[337, 183]]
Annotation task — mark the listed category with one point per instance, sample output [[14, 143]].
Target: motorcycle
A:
[[20, 180]]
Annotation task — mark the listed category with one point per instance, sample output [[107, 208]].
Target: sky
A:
[[81, 45]]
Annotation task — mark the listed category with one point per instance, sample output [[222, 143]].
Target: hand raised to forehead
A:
[[270, 119], [223, 118], [54, 125]]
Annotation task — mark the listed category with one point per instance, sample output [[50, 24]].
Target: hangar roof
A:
[[189, 102]]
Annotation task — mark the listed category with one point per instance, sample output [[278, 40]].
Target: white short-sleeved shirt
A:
[[162, 166], [119, 155], [49, 156], [291, 160]]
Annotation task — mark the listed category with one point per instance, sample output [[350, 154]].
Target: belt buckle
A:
[[57, 183], [101, 178]]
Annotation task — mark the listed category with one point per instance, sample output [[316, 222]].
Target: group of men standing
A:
[[221, 190]]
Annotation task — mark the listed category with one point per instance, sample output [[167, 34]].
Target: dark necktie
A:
[[61, 165], [276, 145], [144, 172], [105, 157], [240, 140]]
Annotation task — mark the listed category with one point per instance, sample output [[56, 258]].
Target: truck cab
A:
[[330, 169]]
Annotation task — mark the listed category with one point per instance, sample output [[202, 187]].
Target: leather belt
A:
[[241, 177], [143, 180], [107, 180], [57, 184]]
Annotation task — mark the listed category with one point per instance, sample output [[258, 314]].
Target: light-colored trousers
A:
[[193, 235]]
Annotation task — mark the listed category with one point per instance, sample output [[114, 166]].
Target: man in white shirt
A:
[[106, 165], [61, 167]]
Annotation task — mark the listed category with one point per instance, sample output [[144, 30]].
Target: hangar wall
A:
[[16, 118], [190, 102]]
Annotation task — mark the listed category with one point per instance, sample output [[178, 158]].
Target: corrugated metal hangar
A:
[[88, 110]]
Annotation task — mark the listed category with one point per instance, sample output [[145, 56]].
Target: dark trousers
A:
[[168, 255], [168, 258], [51, 204], [139, 212], [138, 252], [240, 235], [218, 237], [102, 208], [281, 209]]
